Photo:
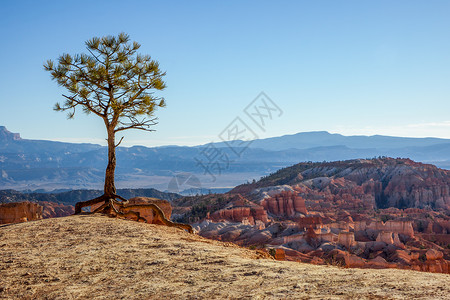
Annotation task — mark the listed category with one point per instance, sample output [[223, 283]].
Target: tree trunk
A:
[[110, 188]]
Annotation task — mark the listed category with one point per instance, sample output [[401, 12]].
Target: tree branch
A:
[[142, 125], [86, 104], [96, 57], [117, 145]]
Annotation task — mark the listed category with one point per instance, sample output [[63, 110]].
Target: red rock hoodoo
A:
[[285, 204], [18, 212]]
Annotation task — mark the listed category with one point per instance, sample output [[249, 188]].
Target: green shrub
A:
[[272, 252], [423, 257]]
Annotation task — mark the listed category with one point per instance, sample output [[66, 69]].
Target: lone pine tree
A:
[[117, 84]]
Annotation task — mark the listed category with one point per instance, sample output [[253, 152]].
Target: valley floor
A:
[[96, 257]]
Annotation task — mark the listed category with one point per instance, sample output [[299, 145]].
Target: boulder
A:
[[401, 257], [146, 212], [432, 254], [280, 254], [415, 255], [378, 263], [353, 261]]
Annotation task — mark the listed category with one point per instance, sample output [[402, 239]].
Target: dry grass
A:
[[95, 257]]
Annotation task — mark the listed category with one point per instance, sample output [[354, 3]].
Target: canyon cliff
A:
[[368, 213], [19, 212], [366, 183]]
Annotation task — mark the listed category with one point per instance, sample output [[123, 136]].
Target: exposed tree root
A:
[[113, 208], [80, 205]]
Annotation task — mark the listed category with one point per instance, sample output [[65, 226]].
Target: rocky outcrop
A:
[[268, 191], [6, 135], [18, 212], [56, 210], [434, 262], [146, 212], [390, 238], [385, 237], [280, 254], [440, 239], [286, 204], [240, 209], [346, 239], [436, 266], [379, 263], [400, 227], [333, 212], [250, 214], [293, 255], [309, 221], [370, 183], [433, 254]]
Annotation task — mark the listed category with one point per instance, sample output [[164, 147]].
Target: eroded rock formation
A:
[[401, 227], [241, 214], [286, 203], [18, 212], [239, 209], [146, 212], [346, 239], [379, 213], [56, 210]]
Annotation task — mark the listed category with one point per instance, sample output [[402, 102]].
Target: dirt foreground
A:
[[96, 257]]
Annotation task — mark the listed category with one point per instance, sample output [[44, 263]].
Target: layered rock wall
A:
[[56, 210], [401, 227], [18, 212], [239, 214], [285, 204]]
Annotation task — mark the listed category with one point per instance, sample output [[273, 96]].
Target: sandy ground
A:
[[96, 257]]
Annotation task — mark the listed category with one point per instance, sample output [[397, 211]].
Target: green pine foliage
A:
[[112, 81]]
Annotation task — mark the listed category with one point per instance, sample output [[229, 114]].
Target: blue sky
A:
[[349, 67]]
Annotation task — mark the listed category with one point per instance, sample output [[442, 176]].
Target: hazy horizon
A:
[[103, 142]]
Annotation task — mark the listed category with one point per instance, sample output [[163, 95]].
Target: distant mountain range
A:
[[47, 165], [315, 139], [74, 196]]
